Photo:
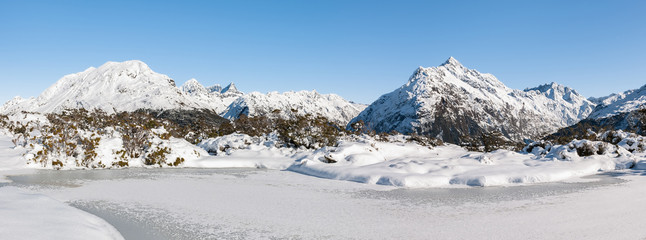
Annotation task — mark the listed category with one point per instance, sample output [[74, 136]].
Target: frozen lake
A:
[[271, 204]]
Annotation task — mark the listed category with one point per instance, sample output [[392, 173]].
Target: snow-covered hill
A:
[[289, 104], [617, 103], [452, 101], [114, 86]]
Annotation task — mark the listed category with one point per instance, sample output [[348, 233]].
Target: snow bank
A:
[[405, 164], [411, 165], [25, 215], [11, 159]]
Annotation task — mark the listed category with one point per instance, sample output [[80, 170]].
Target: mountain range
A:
[[132, 85], [619, 103], [448, 102]]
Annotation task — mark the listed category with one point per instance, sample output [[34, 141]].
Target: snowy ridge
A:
[[290, 104], [451, 101], [619, 103], [114, 86], [564, 102], [194, 88], [215, 97], [132, 85]]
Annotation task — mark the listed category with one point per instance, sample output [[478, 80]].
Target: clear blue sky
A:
[[357, 49]]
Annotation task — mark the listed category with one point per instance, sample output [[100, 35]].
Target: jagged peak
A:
[[231, 88], [555, 91], [553, 85], [453, 72], [451, 62], [215, 88]]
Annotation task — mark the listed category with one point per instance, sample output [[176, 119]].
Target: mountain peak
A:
[[132, 70], [553, 86], [192, 86], [231, 88], [451, 62], [215, 88], [133, 65], [192, 81]]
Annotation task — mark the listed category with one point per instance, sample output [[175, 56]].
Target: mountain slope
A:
[[114, 86], [633, 121], [452, 101], [615, 104], [289, 104]]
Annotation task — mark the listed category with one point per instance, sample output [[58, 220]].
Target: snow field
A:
[[33, 216]]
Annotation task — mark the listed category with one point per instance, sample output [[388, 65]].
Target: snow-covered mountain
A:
[[132, 85], [564, 102], [215, 97], [617, 103], [452, 101], [114, 86], [290, 104]]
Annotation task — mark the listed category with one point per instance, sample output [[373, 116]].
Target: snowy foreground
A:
[[269, 204], [395, 162], [271, 194], [404, 164], [28, 215]]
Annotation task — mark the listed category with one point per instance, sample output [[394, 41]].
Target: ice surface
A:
[[268, 204]]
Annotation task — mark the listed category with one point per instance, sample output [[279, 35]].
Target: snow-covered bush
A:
[[423, 140], [232, 142], [541, 147], [82, 139], [489, 141], [576, 149], [306, 131], [614, 143], [588, 148], [629, 141]]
